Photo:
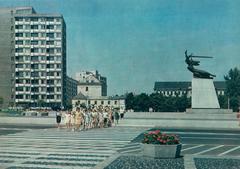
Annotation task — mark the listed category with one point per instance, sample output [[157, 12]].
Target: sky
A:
[[135, 43]]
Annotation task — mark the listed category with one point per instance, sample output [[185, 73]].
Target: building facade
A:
[[91, 83], [184, 88], [38, 58], [71, 89], [88, 101]]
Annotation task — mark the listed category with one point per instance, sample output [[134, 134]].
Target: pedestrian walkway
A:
[[53, 148]]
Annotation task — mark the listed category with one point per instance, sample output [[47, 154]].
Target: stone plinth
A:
[[204, 94]]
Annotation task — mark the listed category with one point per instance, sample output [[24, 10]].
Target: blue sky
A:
[[137, 42]]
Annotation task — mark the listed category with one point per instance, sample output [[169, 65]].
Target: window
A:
[[27, 27], [50, 35], [27, 89], [27, 81], [34, 26], [102, 102], [50, 26], [50, 73], [18, 26], [34, 66], [19, 50], [34, 42], [58, 66], [43, 42], [18, 19], [50, 50], [19, 96], [58, 89], [20, 89], [34, 19], [43, 26], [27, 34], [34, 58], [34, 50], [19, 65], [115, 102], [59, 50], [34, 74], [50, 19], [34, 34], [43, 66], [59, 26], [51, 66], [109, 102], [95, 102], [27, 42], [50, 96], [19, 42], [35, 81], [58, 35], [19, 34], [27, 19], [27, 58], [86, 89], [50, 42]]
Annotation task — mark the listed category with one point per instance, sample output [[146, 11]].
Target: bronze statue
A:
[[196, 72]]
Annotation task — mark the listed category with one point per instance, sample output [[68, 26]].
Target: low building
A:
[[105, 101], [184, 88]]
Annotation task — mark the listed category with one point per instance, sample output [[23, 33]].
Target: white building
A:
[[92, 91], [40, 58], [89, 101], [91, 83]]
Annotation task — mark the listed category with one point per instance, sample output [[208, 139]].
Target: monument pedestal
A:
[[204, 98], [204, 95]]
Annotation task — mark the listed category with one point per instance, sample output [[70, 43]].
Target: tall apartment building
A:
[[91, 83], [36, 60]]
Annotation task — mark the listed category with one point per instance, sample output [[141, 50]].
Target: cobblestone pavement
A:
[[53, 148]]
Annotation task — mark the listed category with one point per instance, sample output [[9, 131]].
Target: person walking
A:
[[116, 116], [238, 116], [58, 118], [68, 119], [78, 118]]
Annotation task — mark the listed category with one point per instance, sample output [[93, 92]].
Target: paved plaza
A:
[[54, 148]]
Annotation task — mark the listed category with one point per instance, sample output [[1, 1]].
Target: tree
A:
[[233, 87], [1, 101], [129, 101], [233, 82]]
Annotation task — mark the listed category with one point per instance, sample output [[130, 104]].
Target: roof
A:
[[80, 96], [172, 85], [183, 85]]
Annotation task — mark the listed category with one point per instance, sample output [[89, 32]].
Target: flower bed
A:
[[161, 145]]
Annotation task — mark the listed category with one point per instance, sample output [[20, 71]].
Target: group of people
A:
[[86, 118]]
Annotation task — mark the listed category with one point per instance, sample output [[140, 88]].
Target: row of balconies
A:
[[33, 101], [37, 54], [24, 30], [38, 22], [39, 69], [38, 38], [38, 85]]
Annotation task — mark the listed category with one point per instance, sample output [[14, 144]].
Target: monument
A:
[[204, 96]]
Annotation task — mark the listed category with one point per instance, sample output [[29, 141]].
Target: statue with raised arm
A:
[[197, 72]]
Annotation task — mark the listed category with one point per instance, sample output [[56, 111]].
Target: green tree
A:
[[1, 101], [233, 87], [129, 101], [141, 102]]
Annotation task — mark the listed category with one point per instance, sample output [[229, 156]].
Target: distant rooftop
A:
[[183, 85]]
